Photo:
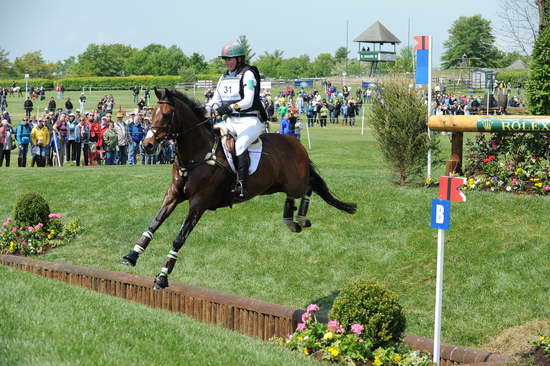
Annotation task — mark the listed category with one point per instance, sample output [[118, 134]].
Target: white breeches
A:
[[247, 130]]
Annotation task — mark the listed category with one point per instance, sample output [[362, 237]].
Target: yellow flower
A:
[[328, 335], [377, 361], [519, 170], [306, 351], [11, 249], [488, 183], [397, 358], [333, 351], [300, 338], [50, 236], [535, 179], [538, 185], [541, 339]]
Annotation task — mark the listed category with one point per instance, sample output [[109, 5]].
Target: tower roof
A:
[[377, 33]]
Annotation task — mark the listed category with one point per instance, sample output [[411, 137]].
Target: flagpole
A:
[[429, 105]]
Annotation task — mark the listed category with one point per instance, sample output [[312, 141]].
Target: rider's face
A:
[[231, 63]]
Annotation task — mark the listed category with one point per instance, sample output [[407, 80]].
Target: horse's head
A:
[[163, 122]]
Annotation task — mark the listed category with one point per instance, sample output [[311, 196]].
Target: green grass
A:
[[46, 322], [496, 253]]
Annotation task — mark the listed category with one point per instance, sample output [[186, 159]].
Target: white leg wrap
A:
[[139, 249], [164, 271], [148, 234], [173, 255]]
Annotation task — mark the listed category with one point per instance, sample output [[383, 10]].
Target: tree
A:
[[248, 54], [5, 64], [65, 67], [104, 60], [538, 85], [216, 66], [156, 59], [341, 54], [32, 63], [323, 65], [198, 63], [295, 67], [471, 36], [520, 24], [269, 63], [399, 120]]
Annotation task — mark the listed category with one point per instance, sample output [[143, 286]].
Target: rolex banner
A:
[[513, 125]]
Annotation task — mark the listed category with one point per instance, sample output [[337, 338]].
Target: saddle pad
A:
[[255, 151]]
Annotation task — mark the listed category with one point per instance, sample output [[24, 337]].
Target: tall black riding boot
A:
[[243, 163]]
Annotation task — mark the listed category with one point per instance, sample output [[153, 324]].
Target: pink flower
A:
[[30, 228], [512, 163], [288, 336], [24, 243], [311, 308], [54, 216], [14, 229], [334, 326], [39, 226], [306, 317], [5, 223], [514, 181], [357, 328], [301, 327], [9, 219], [547, 188]]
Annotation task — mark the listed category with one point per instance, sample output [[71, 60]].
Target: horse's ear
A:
[[166, 93], [158, 93]]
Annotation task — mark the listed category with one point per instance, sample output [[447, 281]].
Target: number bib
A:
[[228, 87]]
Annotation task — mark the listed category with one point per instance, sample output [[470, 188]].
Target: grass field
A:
[[497, 248]]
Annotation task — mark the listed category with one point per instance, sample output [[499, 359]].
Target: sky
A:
[[64, 28]]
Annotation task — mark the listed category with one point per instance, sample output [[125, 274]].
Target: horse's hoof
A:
[[161, 282], [294, 227], [305, 223], [130, 259]]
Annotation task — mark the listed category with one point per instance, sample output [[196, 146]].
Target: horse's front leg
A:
[[194, 215], [172, 198]]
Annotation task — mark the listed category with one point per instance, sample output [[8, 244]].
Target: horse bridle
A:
[[173, 135]]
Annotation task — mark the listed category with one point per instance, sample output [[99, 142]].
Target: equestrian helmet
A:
[[232, 49]]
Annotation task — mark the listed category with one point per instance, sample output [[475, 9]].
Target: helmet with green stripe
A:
[[232, 49]]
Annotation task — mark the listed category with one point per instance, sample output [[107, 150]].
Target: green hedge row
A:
[[513, 77], [106, 83]]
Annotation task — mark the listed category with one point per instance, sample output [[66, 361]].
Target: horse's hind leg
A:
[[288, 215], [171, 200], [302, 211]]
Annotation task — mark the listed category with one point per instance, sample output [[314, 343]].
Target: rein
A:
[[210, 157]]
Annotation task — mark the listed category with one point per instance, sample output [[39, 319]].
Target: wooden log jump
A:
[[245, 315], [458, 124]]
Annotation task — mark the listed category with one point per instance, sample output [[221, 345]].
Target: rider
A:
[[237, 96]]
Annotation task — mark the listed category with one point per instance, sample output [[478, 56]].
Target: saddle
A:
[[228, 144]]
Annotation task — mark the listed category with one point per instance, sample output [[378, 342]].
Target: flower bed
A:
[[542, 350], [509, 162], [32, 240], [332, 342]]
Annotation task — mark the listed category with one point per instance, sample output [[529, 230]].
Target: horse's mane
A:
[[198, 109]]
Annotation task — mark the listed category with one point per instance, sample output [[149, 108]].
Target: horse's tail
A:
[[320, 187]]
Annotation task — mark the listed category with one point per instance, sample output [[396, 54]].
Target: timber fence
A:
[[245, 315]]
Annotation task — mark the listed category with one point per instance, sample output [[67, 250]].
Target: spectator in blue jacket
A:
[[135, 130], [23, 137], [285, 128]]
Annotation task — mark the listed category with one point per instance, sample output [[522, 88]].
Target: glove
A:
[[223, 110]]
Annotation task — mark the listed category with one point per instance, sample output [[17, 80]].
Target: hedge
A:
[[515, 78], [107, 82]]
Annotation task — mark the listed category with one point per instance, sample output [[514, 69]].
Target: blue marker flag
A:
[[422, 66], [441, 214]]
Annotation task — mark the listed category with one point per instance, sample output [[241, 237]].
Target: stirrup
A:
[[238, 190]]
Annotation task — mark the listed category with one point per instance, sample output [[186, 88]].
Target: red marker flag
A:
[[449, 189], [422, 42]]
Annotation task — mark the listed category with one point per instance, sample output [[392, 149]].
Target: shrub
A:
[[399, 120], [31, 209], [371, 305], [538, 85]]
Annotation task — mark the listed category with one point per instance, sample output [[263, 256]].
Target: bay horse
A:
[[201, 174]]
